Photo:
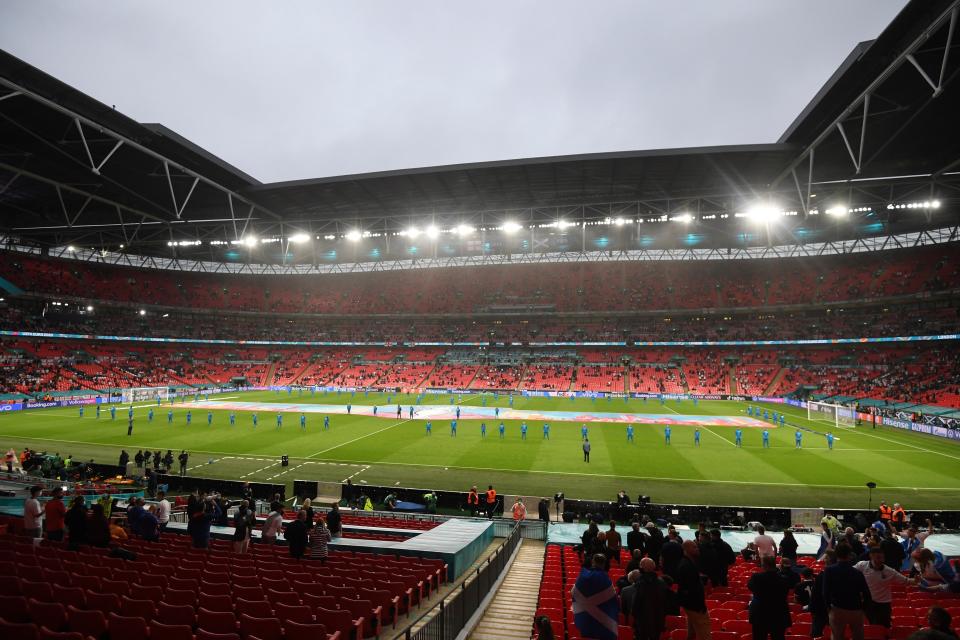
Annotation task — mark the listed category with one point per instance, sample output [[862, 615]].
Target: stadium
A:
[[717, 337]]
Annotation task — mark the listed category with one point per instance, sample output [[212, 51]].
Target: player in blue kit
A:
[[798, 439], [483, 429], [583, 432], [630, 433], [766, 415], [503, 430], [349, 408], [749, 411], [279, 421], [98, 412], [209, 418], [399, 412], [496, 412], [374, 411], [256, 420], [189, 417], [453, 428], [830, 441], [666, 435], [739, 436], [458, 413], [546, 430], [410, 412], [429, 427], [523, 430], [130, 412], [233, 419], [113, 413], [766, 439], [511, 402], [158, 399], [81, 411], [303, 422], [782, 420], [170, 416], [150, 415], [774, 417], [696, 437], [326, 423]]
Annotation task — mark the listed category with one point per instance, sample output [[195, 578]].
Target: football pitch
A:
[[916, 470]]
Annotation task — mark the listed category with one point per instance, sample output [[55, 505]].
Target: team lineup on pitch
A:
[[385, 450]]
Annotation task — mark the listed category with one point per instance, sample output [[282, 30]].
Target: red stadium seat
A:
[[159, 631], [262, 628], [90, 623]]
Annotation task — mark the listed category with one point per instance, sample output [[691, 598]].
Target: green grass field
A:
[[918, 471]]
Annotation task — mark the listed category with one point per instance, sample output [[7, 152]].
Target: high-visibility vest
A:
[[473, 498], [899, 515], [885, 512], [491, 496]]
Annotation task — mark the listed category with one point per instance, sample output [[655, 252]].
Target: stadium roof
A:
[[76, 171]]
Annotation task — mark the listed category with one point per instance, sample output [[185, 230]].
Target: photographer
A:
[[199, 526]]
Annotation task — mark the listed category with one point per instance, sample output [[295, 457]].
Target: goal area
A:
[[836, 414], [144, 394]]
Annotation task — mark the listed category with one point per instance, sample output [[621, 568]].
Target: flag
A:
[[595, 605]]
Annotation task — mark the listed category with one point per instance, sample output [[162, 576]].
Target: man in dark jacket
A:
[[296, 535], [654, 541], [690, 593], [636, 539], [846, 594], [651, 602], [893, 554], [818, 606], [199, 525], [726, 557], [671, 554], [769, 612]]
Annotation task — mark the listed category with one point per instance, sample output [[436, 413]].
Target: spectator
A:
[[543, 510], [627, 593], [769, 612], [55, 512], [149, 525], [199, 525], [804, 589], [939, 619], [725, 556], [595, 605], [10, 458], [932, 568], [334, 521], [912, 542], [850, 537], [319, 538], [749, 553], [390, 502], [654, 542], [709, 560], [879, 579], [690, 593], [846, 594], [76, 521], [788, 545], [163, 510], [98, 527], [33, 513], [242, 526], [543, 629], [307, 508], [296, 535], [636, 539], [614, 542], [272, 525], [827, 539], [652, 602], [135, 511], [819, 612], [118, 535], [766, 546], [893, 553], [790, 577], [671, 555]]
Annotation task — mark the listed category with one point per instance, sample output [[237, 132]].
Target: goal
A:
[[144, 394], [836, 414]]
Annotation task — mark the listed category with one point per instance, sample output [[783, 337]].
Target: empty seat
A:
[[261, 628], [14, 609], [216, 621], [176, 614], [126, 627], [19, 630], [88, 622], [161, 631], [52, 615], [311, 631], [297, 613]]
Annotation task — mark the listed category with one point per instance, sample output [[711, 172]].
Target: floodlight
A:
[[354, 235], [464, 229], [935, 204], [413, 232], [250, 241], [89, 307], [71, 248], [299, 238], [563, 224], [619, 222], [143, 312], [511, 227], [838, 210], [763, 212], [685, 218], [433, 231]]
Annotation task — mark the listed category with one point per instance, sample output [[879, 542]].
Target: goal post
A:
[[143, 394], [836, 414]]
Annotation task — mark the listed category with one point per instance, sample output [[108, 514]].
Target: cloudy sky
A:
[[294, 89]]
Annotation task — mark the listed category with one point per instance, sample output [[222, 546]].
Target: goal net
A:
[[144, 394], [836, 414]]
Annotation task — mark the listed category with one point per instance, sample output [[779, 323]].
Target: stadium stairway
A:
[[510, 614], [772, 387]]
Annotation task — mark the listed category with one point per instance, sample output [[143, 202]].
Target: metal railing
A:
[[446, 619]]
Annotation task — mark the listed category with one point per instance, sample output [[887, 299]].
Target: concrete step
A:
[[510, 614]]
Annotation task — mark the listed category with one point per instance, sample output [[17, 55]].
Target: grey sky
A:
[[288, 90]]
